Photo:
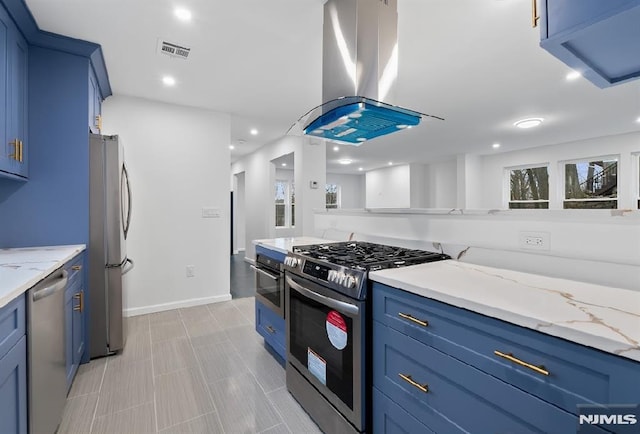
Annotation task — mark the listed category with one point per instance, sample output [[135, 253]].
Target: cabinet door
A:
[[68, 334], [95, 104], [78, 326], [13, 389], [17, 141], [5, 150]]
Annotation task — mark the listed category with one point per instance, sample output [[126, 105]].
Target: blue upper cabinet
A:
[[599, 38], [95, 104], [13, 81]]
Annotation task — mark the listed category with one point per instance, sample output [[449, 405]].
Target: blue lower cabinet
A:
[[389, 417], [272, 328], [12, 324], [13, 389]]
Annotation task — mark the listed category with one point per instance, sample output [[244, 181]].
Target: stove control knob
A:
[[333, 276], [291, 262], [343, 279], [350, 282]]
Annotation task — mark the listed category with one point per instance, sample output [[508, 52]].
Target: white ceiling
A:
[[477, 63]]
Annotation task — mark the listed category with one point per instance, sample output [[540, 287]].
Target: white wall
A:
[[309, 164], [491, 175], [388, 187], [178, 159], [441, 183], [351, 189], [239, 225], [469, 190]]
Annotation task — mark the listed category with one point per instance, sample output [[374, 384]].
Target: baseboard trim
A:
[[135, 311]]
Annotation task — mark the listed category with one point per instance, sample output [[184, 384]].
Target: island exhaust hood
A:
[[359, 74]]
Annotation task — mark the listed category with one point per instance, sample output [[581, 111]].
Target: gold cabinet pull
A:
[[78, 296], [511, 358], [16, 149], [423, 387], [77, 267], [99, 122], [271, 329], [535, 17], [414, 319], [20, 151]]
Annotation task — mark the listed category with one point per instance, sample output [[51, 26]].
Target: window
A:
[[332, 196], [529, 188], [285, 204], [591, 184]]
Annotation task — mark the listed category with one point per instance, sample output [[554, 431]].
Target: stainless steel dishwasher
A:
[[47, 377]]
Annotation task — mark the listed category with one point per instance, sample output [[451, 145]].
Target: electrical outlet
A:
[[191, 270], [534, 240]]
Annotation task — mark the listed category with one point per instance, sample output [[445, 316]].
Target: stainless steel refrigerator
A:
[[109, 221]]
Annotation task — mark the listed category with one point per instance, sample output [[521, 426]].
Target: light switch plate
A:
[[208, 212]]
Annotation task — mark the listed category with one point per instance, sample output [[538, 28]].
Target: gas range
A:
[[344, 266]]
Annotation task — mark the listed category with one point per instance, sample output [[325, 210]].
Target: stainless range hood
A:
[[359, 74]]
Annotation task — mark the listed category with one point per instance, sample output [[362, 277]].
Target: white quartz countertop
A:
[[593, 315], [284, 245], [22, 268]]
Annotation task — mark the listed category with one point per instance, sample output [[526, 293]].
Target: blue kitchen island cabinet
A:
[[13, 367], [74, 317], [13, 92], [599, 38], [449, 370]]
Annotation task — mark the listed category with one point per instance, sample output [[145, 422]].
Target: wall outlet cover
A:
[[534, 240], [209, 212]]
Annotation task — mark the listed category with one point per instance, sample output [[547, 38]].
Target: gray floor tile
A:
[[136, 420], [136, 347], [242, 405], [267, 371], [205, 332], [125, 385], [167, 330], [166, 316], [294, 416], [181, 396], [137, 324], [245, 339], [246, 306], [227, 315], [198, 313], [172, 355], [89, 378], [207, 424], [278, 429], [219, 361], [78, 414]]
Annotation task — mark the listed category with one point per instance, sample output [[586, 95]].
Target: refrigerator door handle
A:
[[125, 222], [126, 269]]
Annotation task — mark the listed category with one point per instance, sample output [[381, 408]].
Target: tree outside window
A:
[[591, 184], [332, 192], [285, 199], [529, 188]]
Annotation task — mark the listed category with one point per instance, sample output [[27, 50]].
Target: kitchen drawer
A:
[[75, 269], [577, 374], [272, 328], [389, 418], [12, 324], [458, 397]]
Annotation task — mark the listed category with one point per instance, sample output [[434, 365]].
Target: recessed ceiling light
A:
[[495, 145], [360, 169], [528, 123], [284, 164], [336, 148], [232, 147], [254, 132], [573, 75], [390, 163], [345, 161], [167, 80], [182, 14], [638, 120]]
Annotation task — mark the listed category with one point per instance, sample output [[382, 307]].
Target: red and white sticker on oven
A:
[[336, 330]]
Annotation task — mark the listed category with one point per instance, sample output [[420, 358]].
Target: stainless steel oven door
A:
[[325, 343], [270, 286]]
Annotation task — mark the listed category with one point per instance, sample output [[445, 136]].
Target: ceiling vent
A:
[[173, 50]]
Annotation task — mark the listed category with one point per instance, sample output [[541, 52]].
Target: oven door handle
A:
[[269, 275], [341, 306]]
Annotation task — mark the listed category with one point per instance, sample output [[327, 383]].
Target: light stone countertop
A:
[[23, 268], [592, 315], [283, 245]]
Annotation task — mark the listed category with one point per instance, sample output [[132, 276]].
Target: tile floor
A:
[[202, 369]]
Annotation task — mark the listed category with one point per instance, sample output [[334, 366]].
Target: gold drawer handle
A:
[[415, 320], [271, 329], [535, 17], [509, 357], [80, 306], [77, 267], [423, 387]]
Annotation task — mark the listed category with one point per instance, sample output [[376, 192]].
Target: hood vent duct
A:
[[359, 74]]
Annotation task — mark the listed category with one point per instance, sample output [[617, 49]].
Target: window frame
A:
[[288, 203], [562, 181], [338, 196], [507, 182]]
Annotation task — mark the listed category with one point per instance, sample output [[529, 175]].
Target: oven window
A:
[[269, 288], [319, 349]]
